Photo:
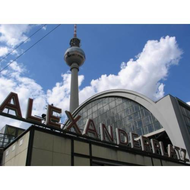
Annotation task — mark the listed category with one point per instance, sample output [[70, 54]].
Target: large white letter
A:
[[171, 152], [106, 134], [163, 153], [29, 112], [134, 143], [87, 129], [120, 132], [155, 146], [145, 144], [15, 106], [183, 155], [73, 123], [51, 119]]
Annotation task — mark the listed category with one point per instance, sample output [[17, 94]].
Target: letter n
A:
[[106, 133]]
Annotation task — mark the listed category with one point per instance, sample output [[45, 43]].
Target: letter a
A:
[[15, 106], [92, 130]]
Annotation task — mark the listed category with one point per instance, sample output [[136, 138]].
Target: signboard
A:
[[106, 132]]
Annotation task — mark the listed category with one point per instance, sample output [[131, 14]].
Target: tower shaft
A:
[[74, 96]]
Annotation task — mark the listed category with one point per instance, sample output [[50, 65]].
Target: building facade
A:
[[136, 113], [42, 147], [116, 127]]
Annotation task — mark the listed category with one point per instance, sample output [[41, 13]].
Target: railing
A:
[[5, 139]]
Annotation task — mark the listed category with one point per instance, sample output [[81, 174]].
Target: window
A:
[[122, 113]]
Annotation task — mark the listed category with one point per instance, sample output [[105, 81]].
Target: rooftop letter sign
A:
[[131, 140]]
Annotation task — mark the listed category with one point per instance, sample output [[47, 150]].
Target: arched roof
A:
[[134, 96]]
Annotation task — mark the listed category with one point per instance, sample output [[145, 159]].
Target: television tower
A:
[[74, 57]]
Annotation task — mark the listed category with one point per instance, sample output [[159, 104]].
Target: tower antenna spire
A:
[[75, 30]]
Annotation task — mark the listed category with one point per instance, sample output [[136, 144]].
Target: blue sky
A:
[[158, 55]]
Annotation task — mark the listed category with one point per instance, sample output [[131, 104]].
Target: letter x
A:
[[73, 122]]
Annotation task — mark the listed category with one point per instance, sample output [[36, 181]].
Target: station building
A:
[[166, 121]]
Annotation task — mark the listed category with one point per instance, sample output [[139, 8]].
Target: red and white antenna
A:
[[75, 30]]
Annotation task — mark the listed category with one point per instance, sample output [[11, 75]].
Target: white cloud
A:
[[15, 67], [3, 51], [44, 27], [13, 34], [144, 74]]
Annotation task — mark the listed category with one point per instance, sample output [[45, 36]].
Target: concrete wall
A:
[[16, 154], [43, 148], [120, 156], [50, 150]]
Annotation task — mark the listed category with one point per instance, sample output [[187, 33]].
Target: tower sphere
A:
[[74, 54]]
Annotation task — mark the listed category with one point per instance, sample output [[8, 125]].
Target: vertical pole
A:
[[75, 31], [74, 98]]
